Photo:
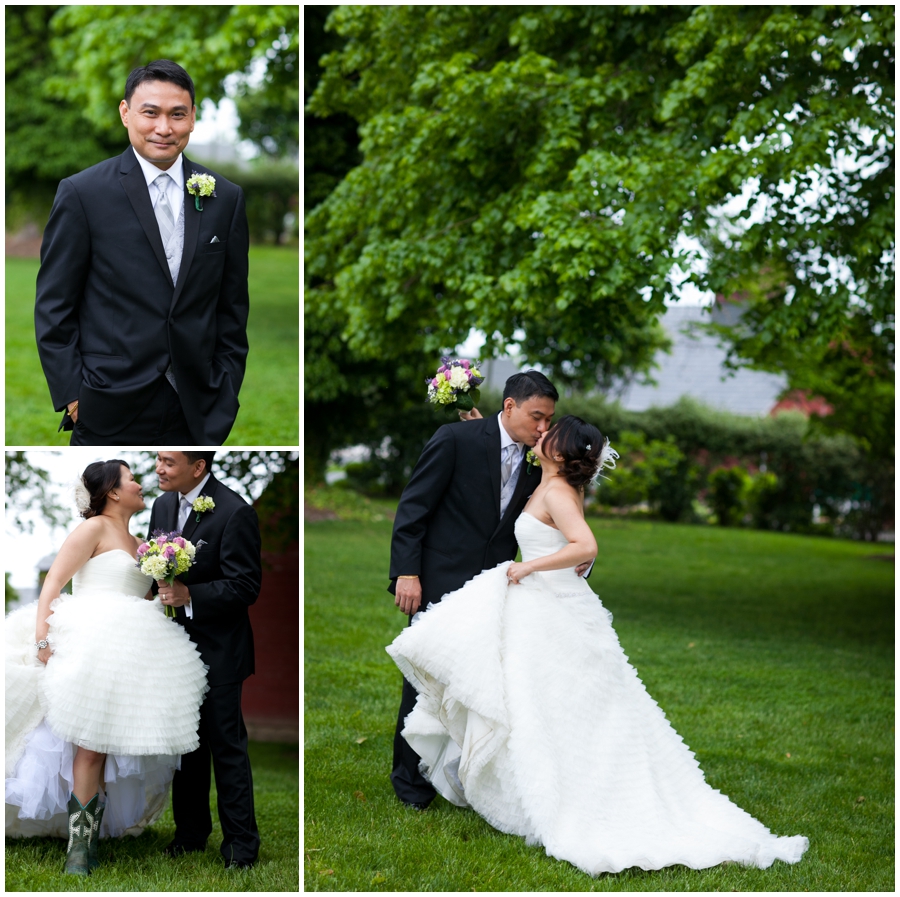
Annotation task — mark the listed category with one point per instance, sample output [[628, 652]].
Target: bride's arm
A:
[[565, 507], [75, 552]]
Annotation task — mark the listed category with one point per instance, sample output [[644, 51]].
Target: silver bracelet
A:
[[43, 643]]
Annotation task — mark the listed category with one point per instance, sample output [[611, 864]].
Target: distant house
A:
[[695, 368]]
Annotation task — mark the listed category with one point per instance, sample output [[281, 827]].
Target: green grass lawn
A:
[[270, 393], [137, 864], [772, 656]]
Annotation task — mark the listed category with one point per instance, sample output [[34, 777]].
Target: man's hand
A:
[[175, 595], [409, 595], [474, 414], [581, 569], [72, 408]]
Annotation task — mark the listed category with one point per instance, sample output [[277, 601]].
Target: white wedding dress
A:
[[529, 712], [123, 680]]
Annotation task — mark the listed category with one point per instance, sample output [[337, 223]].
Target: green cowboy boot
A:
[[94, 853], [81, 830]]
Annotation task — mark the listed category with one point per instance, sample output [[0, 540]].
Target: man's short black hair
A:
[[527, 385], [159, 70], [197, 456]]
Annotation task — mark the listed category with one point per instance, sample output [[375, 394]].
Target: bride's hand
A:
[[44, 654], [515, 573], [474, 414]]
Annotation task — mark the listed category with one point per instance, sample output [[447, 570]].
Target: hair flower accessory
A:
[[202, 504], [200, 185], [82, 495], [606, 460]]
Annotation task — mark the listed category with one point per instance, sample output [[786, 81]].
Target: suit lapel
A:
[[191, 232], [135, 187], [192, 522], [168, 517], [492, 458]]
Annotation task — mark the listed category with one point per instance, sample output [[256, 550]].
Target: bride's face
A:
[[129, 493], [543, 441]]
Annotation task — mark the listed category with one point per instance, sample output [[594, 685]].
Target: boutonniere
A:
[[203, 504], [200, 185], [532, 460]]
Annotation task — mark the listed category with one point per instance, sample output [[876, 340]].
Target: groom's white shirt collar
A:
[[176, 172], [194, 494], [505, 438]]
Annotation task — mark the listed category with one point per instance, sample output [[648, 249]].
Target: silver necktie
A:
[[164, 214], [183, 513], [506, 470]]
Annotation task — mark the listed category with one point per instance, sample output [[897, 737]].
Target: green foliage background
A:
[[528, 171], [66, 68]]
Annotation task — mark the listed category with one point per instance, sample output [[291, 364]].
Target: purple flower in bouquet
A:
[[455, 385]]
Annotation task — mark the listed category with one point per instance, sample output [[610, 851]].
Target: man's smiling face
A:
[[159, 119]]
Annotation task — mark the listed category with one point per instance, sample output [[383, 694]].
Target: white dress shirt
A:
[[191, 496], [174, 191]]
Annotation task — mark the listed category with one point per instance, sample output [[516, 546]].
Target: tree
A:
[[350, 397], [66, 68], [536, 169]]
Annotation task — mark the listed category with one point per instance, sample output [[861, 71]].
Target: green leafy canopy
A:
[[534, 170]]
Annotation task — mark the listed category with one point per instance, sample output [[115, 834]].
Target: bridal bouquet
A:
[[165, 556], [455, 385]]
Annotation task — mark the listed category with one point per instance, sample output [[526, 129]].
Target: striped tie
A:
[[163, 210]]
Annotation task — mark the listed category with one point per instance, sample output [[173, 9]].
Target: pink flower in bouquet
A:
[[178, 541], [143, 548], [169, 552]]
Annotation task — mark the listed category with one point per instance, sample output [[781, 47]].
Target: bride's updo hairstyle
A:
[[99, 479], [580, 444]]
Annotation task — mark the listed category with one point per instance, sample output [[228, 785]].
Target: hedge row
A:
[[782, 471]]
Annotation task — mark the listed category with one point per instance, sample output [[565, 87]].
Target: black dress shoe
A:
[[176, 849], [414, 805], [238, 864]]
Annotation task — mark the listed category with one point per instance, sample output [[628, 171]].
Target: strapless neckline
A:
[[113, 551], [536, 520]]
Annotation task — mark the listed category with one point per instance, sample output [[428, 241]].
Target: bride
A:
[[529, 712], [102, 691]]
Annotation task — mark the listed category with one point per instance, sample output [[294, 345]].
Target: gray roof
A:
[[696, 368]]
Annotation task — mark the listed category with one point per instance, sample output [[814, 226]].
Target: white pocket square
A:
[[214, 240]]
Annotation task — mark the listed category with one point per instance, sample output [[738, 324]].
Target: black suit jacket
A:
[[448, 526], [224, 579], [108, 319]]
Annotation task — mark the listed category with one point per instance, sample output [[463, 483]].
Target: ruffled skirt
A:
[[123, 681], [529, 712]]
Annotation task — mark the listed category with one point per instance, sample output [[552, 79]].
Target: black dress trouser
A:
[[409, 784], [224, 737], [162, 422]]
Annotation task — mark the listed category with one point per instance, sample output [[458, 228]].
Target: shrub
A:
[[727, 494]]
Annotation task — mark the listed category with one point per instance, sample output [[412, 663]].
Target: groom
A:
[[212, 599], [456, 518], [142, 302]]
